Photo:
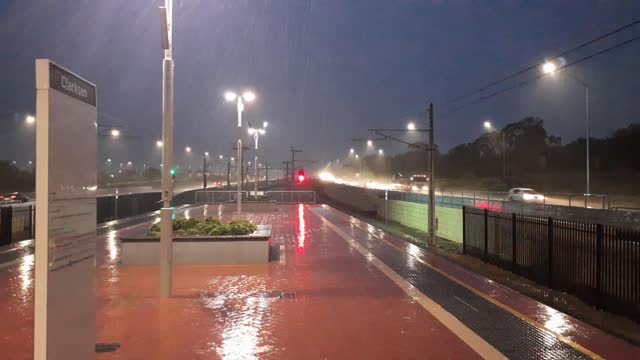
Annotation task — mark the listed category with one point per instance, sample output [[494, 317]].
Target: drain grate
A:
[[107, 347]]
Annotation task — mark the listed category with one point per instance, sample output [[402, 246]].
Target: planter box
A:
[[230, 249]]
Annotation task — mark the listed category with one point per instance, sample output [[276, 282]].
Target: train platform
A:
[[335, 288]]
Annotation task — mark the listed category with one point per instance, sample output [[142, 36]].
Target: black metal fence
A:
[[16, 223], [598, 263]]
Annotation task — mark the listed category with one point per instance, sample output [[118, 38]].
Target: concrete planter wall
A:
[[231, 249]]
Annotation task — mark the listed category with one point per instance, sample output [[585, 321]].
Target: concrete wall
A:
[[448, 220], [353, 197], [415, 215]]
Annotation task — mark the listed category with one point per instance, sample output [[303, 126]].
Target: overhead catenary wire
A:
[[531, 67], [530, 80]]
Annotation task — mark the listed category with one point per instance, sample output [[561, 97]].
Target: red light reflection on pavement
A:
[[302, 227]]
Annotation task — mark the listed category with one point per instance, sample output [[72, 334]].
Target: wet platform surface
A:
[[336, 288]]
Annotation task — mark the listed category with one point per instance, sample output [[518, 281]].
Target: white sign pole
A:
[[166, 213], [66, 184]]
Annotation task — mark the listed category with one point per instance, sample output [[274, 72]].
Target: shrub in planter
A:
[[209, 226]]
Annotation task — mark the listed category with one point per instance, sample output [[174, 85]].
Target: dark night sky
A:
[[324, 71]]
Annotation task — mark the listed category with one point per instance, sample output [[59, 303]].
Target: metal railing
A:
[[598, 263], [16, 223], [307, 197], [217, 197]]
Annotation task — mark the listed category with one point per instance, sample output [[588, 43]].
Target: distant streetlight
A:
[[221, 157], [129, 163], [159, 143], [411, 126], [256, 134], [247, 96], [206, 153], [108, 160], [369, 143], [550, 67], [357, 156], [265, 124], [351, 151], [233, 159], [30, 119], [380, 152], [489, 127], [188, 149], [115, 133]]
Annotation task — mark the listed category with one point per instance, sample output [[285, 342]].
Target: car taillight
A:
[[13, 197]]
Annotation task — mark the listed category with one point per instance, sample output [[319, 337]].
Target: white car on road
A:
[[525, 195]]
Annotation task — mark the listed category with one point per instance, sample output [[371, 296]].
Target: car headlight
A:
[[425, 188], [414, 188]]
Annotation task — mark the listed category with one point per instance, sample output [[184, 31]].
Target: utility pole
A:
[[266, 174], [166, 213], [432, 200], [204, 172], [293, 166], [286, 170]]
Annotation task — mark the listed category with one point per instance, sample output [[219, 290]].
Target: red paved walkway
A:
[[320, 298]]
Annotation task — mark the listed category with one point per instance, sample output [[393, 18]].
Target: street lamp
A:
[[550, 68], [115, 133], [221, 157], [351, 151], [159, 143], [489, 127], [256, 134], [247, 96], [30, 119], [380, 152], [369, 143], [411, 126], [188, 149]]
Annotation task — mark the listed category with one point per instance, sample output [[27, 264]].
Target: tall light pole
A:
[[550, 68], [166, 221], [256, 135], [489, 127], [247, 96]]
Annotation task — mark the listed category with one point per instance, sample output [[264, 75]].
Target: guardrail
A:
[[307, 197], [218, 197]]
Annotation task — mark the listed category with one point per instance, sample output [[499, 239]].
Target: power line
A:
[[531, 67], [525, 82]]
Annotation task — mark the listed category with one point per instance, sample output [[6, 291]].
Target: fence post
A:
[[6, 224], [550, 252], [513, 241], [486, 236], [464, 233], [599, 240]]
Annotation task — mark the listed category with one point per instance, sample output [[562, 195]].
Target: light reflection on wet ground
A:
[[324, 301]]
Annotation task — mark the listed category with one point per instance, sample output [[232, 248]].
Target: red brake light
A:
[[300, 178]]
